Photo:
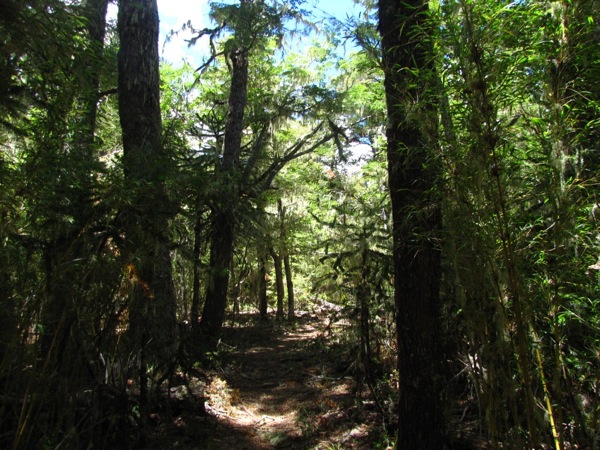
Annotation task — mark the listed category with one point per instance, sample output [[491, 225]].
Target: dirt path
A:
[[280, 388]]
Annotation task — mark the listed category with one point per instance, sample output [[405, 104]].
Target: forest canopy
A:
[[435, 184]]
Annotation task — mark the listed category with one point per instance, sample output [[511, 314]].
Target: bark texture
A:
[[287, 266], [145, 220], [278, 265], [407, 59], [263, 300], [223, 221]]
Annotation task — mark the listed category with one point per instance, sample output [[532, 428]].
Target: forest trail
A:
[[280, 387]]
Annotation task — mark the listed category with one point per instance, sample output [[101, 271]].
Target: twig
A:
[[247, 411]]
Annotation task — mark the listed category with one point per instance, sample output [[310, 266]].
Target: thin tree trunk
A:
[[290, 286], [278, 264], [407, 59], [195, 309], [95, 13], [362, 296], [286, 261], [8, 317], [263, 300]]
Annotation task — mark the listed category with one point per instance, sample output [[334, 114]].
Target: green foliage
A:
[[519, 198], [518, 95]]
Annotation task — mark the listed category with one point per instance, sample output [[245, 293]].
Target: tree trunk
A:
[[223, 222], [221, 252], [362, 304], [95, 13], [286, 261], [8, 318], [290, 286], [152, 308], [278, 264], [412, 166], [263, 300], [195, 309]]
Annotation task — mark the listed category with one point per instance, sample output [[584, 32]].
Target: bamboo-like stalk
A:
[[485, 126], [556, 435]]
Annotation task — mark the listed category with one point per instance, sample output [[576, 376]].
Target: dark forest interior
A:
[[373, 231]]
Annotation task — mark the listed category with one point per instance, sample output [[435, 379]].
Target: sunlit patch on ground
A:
[[278, 387]]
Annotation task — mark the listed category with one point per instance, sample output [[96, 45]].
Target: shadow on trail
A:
[[287, 388], [198, 431], [276, 386]]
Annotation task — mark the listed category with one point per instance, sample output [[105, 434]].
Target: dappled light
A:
[[321, 225], [278, 386]]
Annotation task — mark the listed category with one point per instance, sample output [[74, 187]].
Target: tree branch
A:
[[294, 152]]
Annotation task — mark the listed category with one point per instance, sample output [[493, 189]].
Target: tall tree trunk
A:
[[95, 13], [152, 308], [286, 261], [278, 264], [195, 309], [223, 221], [263, 300], [289, 285], [221, 253], [8, 317], [362, 304], [413, 169]]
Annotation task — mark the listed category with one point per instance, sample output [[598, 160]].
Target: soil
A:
[[275, 386]]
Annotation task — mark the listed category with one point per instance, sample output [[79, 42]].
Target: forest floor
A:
[[276, 386]]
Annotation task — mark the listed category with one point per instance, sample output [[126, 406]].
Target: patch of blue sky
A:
[[176, 14], [179, 19]]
